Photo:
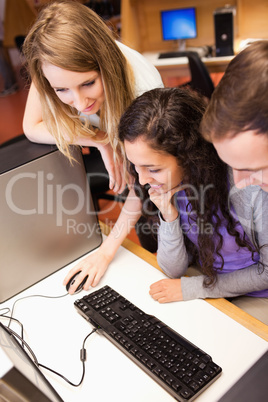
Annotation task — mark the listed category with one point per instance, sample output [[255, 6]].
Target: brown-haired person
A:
[[82, 82], [236, 122]]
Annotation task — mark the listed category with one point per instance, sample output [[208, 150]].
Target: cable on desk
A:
[[4, 315], [82, 358], [28, 297], [24, 343]]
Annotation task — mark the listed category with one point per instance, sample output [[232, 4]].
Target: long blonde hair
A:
[[71, 36]]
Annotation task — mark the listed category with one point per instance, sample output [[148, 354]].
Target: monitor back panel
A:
[[47, 219], [20, 378]]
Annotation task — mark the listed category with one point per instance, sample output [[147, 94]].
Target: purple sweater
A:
[[234, 257], [241, 275]]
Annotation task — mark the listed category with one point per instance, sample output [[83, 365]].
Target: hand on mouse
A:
[[166, 290], [94, 266]]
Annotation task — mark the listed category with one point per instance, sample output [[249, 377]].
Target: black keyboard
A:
[[180, 367], [169, 55]]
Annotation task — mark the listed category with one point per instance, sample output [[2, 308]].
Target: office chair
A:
[[200, 78], [19, 40]]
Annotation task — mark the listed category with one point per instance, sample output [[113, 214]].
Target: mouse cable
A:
[[28, 297], [83, 358], [6, 310]]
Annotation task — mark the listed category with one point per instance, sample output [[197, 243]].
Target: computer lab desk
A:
[[55, 332], [178, 66]]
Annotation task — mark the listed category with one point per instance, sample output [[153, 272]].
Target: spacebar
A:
[[179, 339]]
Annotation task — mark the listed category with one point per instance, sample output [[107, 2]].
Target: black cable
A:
[[82, 358], [22, 298], [28, 297], [4, 308], [12, 318], [24, 343], [13, 307]]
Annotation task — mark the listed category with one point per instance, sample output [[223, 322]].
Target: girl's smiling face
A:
[[83, 91], [158, 169]]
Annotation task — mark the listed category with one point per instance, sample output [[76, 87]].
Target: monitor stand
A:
[[181, 45], [180, 52]]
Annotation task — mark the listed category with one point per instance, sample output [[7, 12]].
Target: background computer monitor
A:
[[179, 25]]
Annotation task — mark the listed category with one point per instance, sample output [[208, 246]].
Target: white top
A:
[[146, 75]]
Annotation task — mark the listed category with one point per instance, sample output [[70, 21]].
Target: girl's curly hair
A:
[[169, 119]]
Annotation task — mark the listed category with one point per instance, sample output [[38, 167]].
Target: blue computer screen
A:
[[179, 24]]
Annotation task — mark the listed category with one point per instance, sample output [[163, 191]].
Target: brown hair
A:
[[239, 102], [71, 36]]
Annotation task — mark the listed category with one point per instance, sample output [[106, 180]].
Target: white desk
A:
[[178, 66], [55, 332]]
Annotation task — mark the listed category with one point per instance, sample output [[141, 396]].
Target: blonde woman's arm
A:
[[36, 131], [33, 126], [95, 265]]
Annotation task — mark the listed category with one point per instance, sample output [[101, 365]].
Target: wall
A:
[[141, 26], [252, 18]]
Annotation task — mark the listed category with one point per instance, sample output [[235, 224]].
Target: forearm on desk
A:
[[173, 259], [231, 284], [40, 135]]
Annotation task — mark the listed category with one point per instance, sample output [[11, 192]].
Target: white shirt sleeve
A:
[[146, 75]]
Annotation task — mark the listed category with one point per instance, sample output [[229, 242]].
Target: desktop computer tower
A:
[[224, 31]]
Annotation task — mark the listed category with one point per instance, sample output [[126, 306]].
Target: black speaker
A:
[[224, 31]]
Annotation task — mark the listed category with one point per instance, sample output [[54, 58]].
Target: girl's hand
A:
[[166, 290], [94, 266], [164, 202], [114, 168]]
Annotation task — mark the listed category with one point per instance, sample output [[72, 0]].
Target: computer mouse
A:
[[72, 281]]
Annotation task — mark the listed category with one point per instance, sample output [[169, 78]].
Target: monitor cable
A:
[[83, 354]]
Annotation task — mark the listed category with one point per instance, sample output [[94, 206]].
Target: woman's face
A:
[[83, 91], [158, 169]]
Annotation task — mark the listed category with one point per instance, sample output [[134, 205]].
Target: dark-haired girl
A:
[[202, 218]]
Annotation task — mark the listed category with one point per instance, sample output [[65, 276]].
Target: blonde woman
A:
[[82, 82]]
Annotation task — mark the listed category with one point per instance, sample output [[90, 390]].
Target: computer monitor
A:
[[179, 25], [21, 380], [47, 217]]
